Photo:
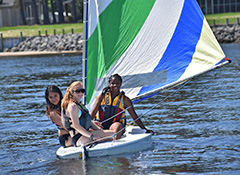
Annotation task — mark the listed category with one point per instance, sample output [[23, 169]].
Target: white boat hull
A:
[[134, 139]]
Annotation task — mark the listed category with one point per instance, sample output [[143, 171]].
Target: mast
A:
[[85, 47]]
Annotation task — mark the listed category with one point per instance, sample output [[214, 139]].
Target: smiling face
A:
[[54, 98], [115, 85], [78, 92]]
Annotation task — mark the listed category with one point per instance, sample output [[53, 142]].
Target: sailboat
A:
[[154, 45]]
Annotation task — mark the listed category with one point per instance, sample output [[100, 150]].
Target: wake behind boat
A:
[[134, 139]]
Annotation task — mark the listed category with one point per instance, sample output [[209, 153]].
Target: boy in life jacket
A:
[[113, 102]]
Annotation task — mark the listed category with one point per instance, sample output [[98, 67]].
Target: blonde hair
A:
[[68, 97]]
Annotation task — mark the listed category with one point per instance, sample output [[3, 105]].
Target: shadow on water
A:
[[197, 128], [84, 167]]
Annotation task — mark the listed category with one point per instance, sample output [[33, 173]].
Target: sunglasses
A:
[[80, 90]]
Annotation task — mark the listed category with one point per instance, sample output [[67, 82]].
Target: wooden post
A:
[[46, 33], [21, 36], [54, 31], [39, 33], [1, 42], [227, 22], [63, 31], [72, 31]]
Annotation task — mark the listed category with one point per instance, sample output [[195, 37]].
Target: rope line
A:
[[116, 114], [153, 106], [108, 137], [98, 140]]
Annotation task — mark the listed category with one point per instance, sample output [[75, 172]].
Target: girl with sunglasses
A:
[[77, 119], [53, 97]]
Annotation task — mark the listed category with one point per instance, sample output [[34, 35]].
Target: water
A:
[[197, 129]]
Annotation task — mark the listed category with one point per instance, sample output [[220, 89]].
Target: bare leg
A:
[[97, 135], [117, 126], [68, 142]]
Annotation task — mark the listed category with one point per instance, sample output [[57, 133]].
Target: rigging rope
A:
[[183, 84], [84, 151], [180, 86], [154, 106]]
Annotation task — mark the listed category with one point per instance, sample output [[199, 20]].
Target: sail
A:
[[152, 44]]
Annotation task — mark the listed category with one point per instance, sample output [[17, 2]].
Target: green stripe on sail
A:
[[117, 27]]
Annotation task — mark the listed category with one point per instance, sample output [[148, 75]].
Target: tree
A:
[[35, 12], [53, 11], [66, 9], [60, 11], [74, 11], [22, 13], [79, 6], [45, 12]]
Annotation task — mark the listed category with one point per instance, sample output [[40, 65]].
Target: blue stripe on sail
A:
[[181, 48]]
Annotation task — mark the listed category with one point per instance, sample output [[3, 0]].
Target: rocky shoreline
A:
[[227, 33], [73, 42], [57, 43]]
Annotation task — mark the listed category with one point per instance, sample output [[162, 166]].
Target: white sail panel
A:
[[204, 57], [96, 7]]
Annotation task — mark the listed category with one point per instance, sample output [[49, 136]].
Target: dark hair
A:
[[50, 106], [110, 78], [115, 76]]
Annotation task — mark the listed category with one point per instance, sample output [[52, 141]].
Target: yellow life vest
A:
[[110, 107]]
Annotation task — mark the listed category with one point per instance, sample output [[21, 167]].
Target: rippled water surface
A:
[[197, 128]]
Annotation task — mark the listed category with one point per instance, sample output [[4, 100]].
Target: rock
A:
[[49, 43], [6, 50], [14, 49], [227, 34], [237, 28]]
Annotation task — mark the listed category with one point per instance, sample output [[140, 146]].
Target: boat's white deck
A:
[[134, 139]]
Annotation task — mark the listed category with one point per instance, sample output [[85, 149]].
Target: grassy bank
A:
[[78, 27], [33, 30], [221, 18]]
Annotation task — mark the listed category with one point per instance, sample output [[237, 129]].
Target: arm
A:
[[56, 118], [96, 106], [95, 125], [73, 114], [131, 110]]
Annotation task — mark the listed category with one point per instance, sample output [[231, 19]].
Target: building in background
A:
[[29, 12], [9, 13], [219, 6]]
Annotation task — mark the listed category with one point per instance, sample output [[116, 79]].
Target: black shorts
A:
[[63, 139], [75, 139]]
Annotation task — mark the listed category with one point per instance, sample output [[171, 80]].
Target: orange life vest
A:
[[110, 107]]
